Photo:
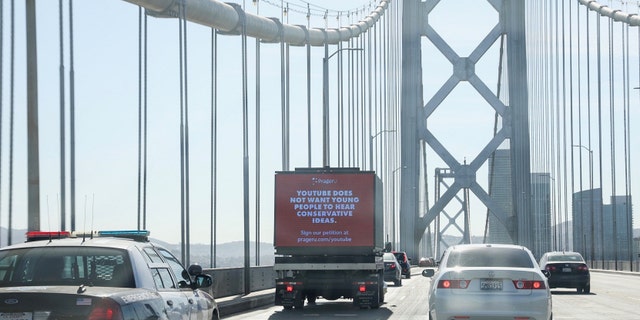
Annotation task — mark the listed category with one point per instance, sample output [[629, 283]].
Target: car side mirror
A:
[[202, 281], [428, 273], [546, 273]]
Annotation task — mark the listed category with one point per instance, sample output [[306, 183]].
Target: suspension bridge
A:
[[497, 121]]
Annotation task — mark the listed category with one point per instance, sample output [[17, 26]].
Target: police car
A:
[[108, 275]]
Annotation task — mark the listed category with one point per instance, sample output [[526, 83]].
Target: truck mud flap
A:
[[288, 295], [367, 294]]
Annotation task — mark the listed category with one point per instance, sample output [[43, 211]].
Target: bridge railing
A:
[[621, 265], [229, 281]]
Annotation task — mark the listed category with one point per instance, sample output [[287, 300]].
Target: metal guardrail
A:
[[626, 265]]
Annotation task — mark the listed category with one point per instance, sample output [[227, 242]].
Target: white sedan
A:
[[488, 281]]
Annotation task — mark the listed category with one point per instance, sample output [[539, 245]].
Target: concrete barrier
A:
[[230, 281]]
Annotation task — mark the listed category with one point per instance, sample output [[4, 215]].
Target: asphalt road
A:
[[612, 297]]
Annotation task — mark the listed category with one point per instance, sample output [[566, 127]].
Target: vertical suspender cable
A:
[[144, 125], [283, 108], [186, 139], [555, 106], [62, 125], [308, 89], [385, 106], [245, 152], [142, 117], [350, 96], [362, 105], [182, 184], [287, 100], [370, 106], [354, 97], [139, 225], [376, 113], [1, 101], [357, 104], [589, 116], [11, 116], [350, 115], [214, 146], [612, 144], [564, 144], [341, 110], [184, 134], [258, 132], [625, 81], [72, 122], [598, 83], [573, 189], [366, 102]]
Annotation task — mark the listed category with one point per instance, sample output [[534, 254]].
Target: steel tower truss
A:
[[514, 119]]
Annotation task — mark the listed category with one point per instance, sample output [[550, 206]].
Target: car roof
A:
[[106, 242], [560, 253], [487, 245]]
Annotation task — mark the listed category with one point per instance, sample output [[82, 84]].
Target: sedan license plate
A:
[[566, 269], [16, 315], [490, 284]]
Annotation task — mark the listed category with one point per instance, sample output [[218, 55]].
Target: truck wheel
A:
[[288, 307], [298, 303]]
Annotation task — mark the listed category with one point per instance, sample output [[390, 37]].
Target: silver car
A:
[[488, 281]]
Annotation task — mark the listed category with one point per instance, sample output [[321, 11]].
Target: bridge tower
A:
[[416, 135]]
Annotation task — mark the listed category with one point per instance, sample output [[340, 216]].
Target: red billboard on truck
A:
[[327, 211]]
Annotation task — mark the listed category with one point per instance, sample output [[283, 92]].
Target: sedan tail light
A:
[[106, 309], [582, 267], [529, 284], [453, 284]]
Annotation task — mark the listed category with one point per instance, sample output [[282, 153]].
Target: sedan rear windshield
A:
[[566, 257], [65, 266], [489, 257]]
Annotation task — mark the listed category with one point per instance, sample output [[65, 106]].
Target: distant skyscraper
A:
[[618, 234], [541, 209], [587, 208], [500, 191]]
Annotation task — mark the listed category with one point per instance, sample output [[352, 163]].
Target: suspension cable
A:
[[140, 55], [72, 121], [214, 147], [612, 141], [11, 120], [184, 134], [62, 122], [1, 103]]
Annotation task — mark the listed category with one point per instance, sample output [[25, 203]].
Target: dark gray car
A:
[[392, 269]]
